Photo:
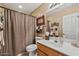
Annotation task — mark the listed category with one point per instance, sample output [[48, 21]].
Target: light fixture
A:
[[20, 6]]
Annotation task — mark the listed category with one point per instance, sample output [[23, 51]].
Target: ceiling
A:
[[26, 7], [63, 6]]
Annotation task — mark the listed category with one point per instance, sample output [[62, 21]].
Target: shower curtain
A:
[[18, 32]]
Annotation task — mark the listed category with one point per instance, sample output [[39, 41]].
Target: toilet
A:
[[32, 47]]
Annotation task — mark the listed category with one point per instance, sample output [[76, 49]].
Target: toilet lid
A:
[[31, 47]]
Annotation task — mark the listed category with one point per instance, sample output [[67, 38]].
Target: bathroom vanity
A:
[[47, 48], [44, 50]]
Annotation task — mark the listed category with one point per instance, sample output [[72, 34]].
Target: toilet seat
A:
[[31, 47]]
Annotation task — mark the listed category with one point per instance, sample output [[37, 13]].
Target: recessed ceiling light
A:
[[20, 6]]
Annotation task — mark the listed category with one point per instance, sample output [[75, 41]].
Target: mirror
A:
[[65, 20]]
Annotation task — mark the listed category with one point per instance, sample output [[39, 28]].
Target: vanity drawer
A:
[[48, 51], [40, 53]]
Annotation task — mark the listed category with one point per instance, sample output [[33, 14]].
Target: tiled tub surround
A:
[[66, 48]]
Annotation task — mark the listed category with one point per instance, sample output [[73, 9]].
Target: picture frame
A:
[[40, 20]]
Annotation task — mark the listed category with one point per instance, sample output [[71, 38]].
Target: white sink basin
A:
[[55, 42]]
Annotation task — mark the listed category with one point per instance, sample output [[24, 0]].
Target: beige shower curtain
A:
[[8, 37], [19, 31], [30, 24]]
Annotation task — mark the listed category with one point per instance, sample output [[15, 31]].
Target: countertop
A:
[[67, 48]]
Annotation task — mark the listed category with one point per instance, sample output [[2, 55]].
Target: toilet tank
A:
[[38, 38]]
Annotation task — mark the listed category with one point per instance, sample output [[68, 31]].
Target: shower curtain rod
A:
[[16, 11]]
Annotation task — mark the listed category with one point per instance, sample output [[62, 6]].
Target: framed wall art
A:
[[40, 20]]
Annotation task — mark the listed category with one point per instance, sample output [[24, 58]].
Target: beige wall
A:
[[57, 17], [2, 10], [41, 11]]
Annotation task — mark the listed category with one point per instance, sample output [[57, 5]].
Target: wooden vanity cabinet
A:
[[43, 50]]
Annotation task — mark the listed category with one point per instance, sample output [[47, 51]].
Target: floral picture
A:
[[40, 21]]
